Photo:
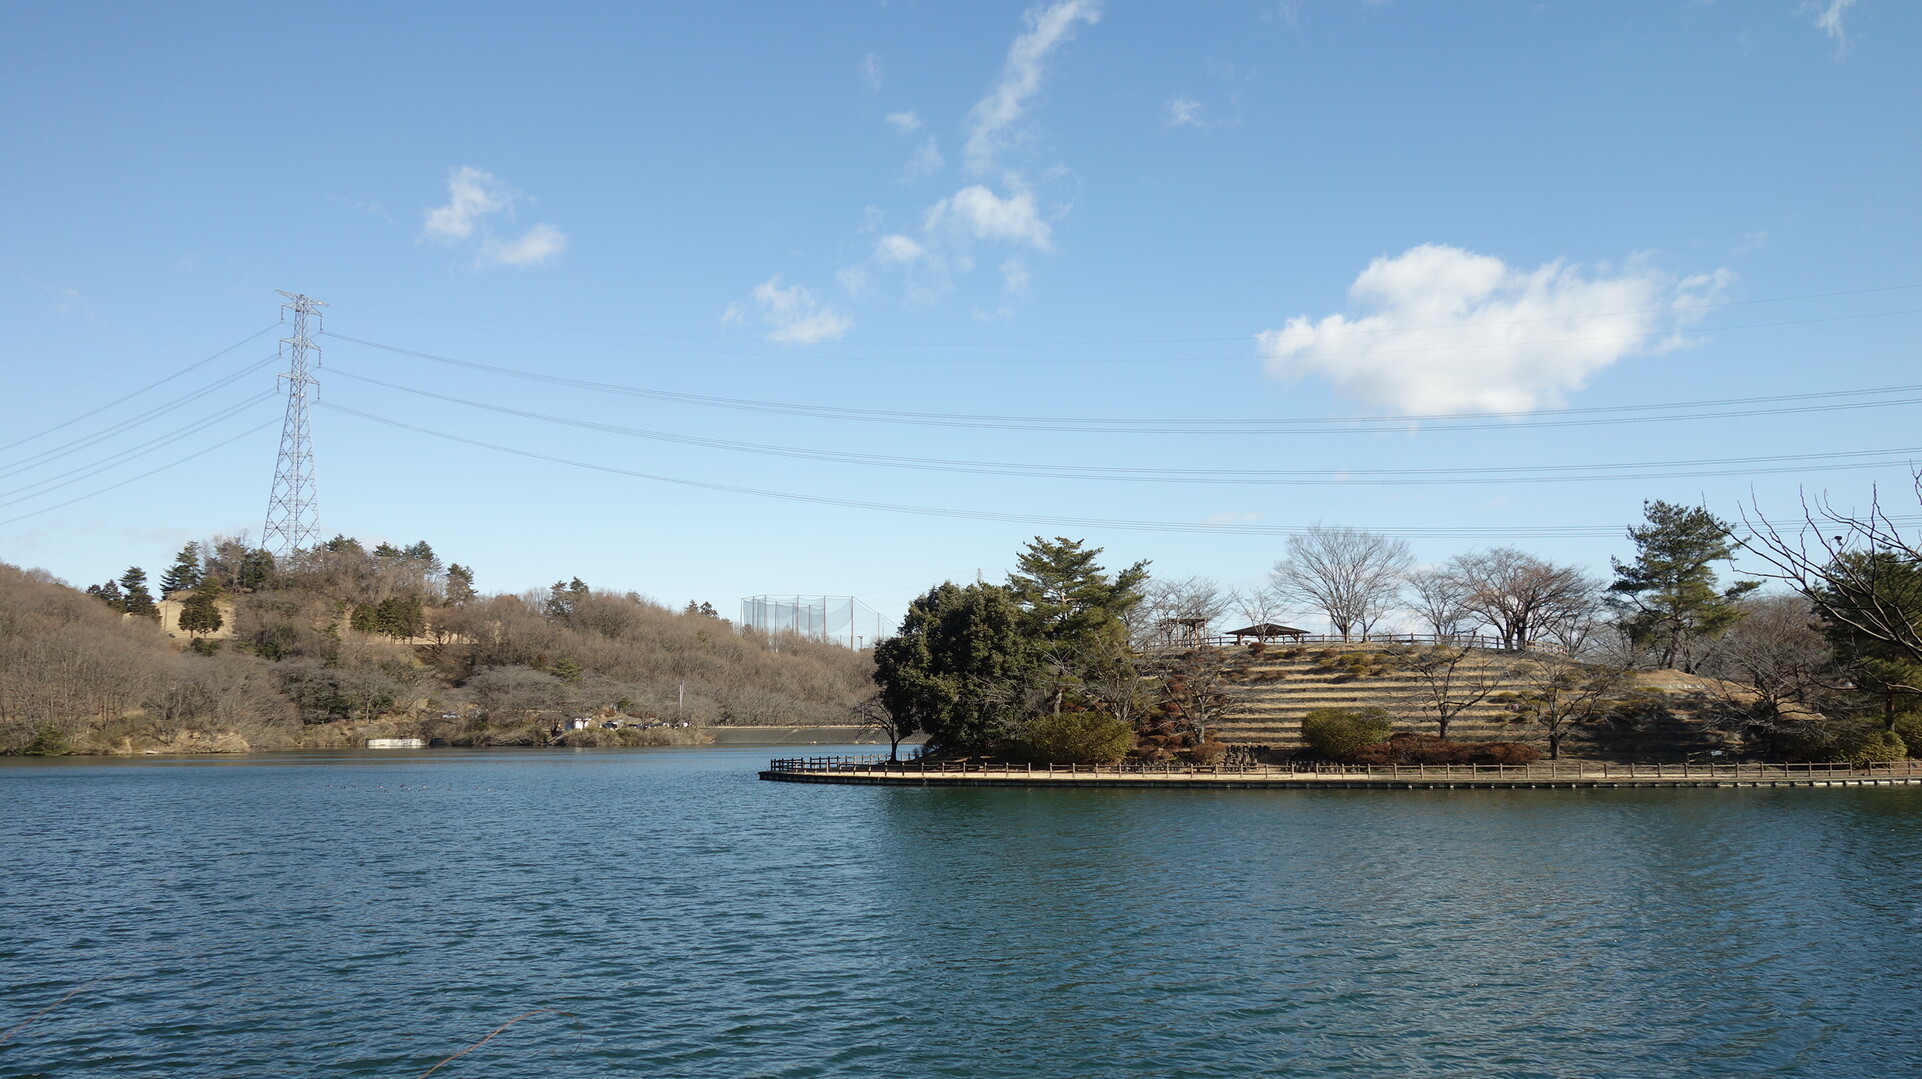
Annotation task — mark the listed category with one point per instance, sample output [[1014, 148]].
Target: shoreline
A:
[[1584, 776]]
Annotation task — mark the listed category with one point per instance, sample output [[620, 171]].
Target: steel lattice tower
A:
[[292, 511]]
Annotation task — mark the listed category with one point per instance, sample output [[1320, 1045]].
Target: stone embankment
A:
[[879, 771], [1285, 683]]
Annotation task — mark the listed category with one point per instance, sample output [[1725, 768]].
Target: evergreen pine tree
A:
[[109, 594], [257, 570], [185, 573], [460, 585], [139, 601], [200, 613], [1668, 595], [1073, 610]]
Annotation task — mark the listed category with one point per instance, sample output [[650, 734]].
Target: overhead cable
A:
[[1047, 521], [144, 475], [151, 385], [1591, 416], [1727, 466], [1671, 309], [122, 426]]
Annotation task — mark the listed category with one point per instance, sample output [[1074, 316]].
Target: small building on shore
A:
[[1265, 631]]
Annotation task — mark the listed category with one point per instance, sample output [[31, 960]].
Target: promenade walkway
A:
[[879, 771]]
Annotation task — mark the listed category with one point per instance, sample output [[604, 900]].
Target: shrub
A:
[[1074, 738], [1909, 726], [1880, 747], [1205, 753], [1427, 749], [1336, 732]]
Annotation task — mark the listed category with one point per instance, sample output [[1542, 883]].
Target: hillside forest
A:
[[340, 643], [230, 649]]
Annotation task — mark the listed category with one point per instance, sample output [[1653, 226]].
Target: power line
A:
[[786, 355], [81, 472], [96, 377], [1507, 532], [1591, 416], [29, 463], [95, 412], [144, 475], [1672, 309], [1336, 476]]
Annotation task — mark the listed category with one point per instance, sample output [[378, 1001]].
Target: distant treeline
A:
[[340, 640]]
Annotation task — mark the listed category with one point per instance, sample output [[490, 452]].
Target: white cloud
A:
[[927, 160], [1456, 332], [854, 280], [792, 314], [534, 247], [1014, 276], [1184, 111], [1005, 102], [980, 214], [871, 70], [906, 123], [896, 249], [475, 195], [1828, 19], [471, 195]]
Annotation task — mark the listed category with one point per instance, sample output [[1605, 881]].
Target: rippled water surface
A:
[[362, 915]]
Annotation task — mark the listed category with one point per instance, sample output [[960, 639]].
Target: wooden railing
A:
[[1450, 640], [1540, 770]]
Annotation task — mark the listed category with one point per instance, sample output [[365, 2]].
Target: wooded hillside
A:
[[342, 642]]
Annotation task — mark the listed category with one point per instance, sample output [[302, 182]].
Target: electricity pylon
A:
[[293, 510]]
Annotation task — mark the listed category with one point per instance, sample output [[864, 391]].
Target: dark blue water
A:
[[358, 915]]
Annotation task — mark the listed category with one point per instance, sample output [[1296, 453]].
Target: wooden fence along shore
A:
[[877, 770], [1480, 641]]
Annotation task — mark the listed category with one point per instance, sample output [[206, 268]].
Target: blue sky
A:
[[1027, 266]]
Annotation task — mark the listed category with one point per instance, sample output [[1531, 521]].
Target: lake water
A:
[[368, 915]]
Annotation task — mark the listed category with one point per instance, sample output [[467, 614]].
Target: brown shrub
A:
[[1410, 748]]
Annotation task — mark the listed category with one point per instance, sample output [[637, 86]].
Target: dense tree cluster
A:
[[978, 667], [1833, 671], [343, 633]]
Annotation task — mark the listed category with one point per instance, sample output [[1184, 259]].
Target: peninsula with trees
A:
[[1492, 656]]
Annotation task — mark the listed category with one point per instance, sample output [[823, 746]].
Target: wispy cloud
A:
[[896, 249], [1014, 276], [907, 123], [792, 314], [474, 197], [1021, 74], [976, 213], [471, 195], [1828, 19], [1450, 331], [1184, 112], [871, 70], [926, 161], [534, 247]]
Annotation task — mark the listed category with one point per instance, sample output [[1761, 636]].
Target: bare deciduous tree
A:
[[1202, 686], [1447, 680], [1352, 577], [1858, 569], [1777, 657], [871, 713], [1441, 599], [1176, 611], [1560, 694], [1524, 599]]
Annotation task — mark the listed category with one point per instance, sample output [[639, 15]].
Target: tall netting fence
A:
[[837, 619]]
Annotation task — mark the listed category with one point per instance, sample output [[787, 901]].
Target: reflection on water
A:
[[369, 914]]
